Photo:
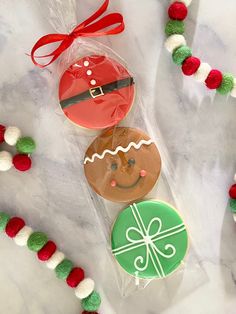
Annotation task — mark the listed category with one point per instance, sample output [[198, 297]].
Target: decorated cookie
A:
[[96, 92], [149, 239], [122, 164]]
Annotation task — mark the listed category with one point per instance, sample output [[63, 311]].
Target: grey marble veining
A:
[[196, 132]]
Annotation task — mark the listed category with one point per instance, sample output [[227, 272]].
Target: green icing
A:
[[92, 302], [63, 269], [232, 204], [149, 239], [36, 241], [4, 218], [174, 27]]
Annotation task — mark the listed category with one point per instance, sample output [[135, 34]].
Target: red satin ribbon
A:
[[89, 28]]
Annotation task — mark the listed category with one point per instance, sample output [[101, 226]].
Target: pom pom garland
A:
[[190, 66], [75, 277], [232, 191], [12, 134], [178, 11], [174, 27], [180, 54], [223, 83], [25, 146], [85, 288], [13, 226], [175, 41], [46, 251], [36, 241], [63, 269], [5, 161], [232, 200], [92, 302], [2, 132], [214, 79]]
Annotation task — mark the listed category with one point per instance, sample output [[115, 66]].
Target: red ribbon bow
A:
[[85, 29]]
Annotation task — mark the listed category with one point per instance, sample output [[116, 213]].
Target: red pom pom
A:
[[178, 11], [2, 131], [14, 225], [232, 191], [22, 162], [47, 251], [191, 65], [214, 79], [75, 277]]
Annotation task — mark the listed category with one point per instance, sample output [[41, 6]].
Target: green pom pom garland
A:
[[174, 27], [174, 43], [25, 145], [92, 302], [63, 269], [38, 242]]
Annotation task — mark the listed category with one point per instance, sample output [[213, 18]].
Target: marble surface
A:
[[196, 131]]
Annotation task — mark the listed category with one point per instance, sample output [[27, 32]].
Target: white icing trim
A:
[[118, 149], [148, 240]]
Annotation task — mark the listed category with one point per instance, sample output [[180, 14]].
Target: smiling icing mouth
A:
[[128, 186]]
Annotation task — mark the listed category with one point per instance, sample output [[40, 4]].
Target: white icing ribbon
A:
[[118, 149], [149, 240]]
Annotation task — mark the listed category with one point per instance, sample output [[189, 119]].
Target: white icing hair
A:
[[118, 149]]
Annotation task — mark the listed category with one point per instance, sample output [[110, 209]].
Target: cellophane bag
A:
[[75, 72]]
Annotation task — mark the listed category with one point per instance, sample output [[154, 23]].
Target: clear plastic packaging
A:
[[62, 17]]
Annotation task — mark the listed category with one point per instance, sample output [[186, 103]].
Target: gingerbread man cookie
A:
[[122, 165], [96, 92]]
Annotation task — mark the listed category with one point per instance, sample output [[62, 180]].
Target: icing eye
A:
[[113, 166], [131, 162]]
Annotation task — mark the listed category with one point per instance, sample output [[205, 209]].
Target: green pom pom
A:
[[36, 241], [92, 302], [232, 204], [174, 27], [180, 54], [4, 218], [227, 84], [63, 269], [25, 145]]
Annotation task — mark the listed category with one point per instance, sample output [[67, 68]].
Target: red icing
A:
[[106, 110]]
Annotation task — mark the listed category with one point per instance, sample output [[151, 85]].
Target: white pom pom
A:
[[186, 2], [233, 92], [55, 260], [202, 72], [235, 177], [174, 41], [234, 217], [85, 288], [5, 161], [23, 235], [11, 135]]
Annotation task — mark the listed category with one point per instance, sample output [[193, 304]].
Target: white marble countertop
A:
[[199, 135]]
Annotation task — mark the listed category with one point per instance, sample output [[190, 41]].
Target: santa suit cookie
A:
[[122, 164], [96, 92]]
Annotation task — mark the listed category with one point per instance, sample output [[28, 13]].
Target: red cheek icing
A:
[[143, 173], [113, 183]]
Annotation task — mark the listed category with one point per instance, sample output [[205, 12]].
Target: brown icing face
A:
[[122, 164]]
